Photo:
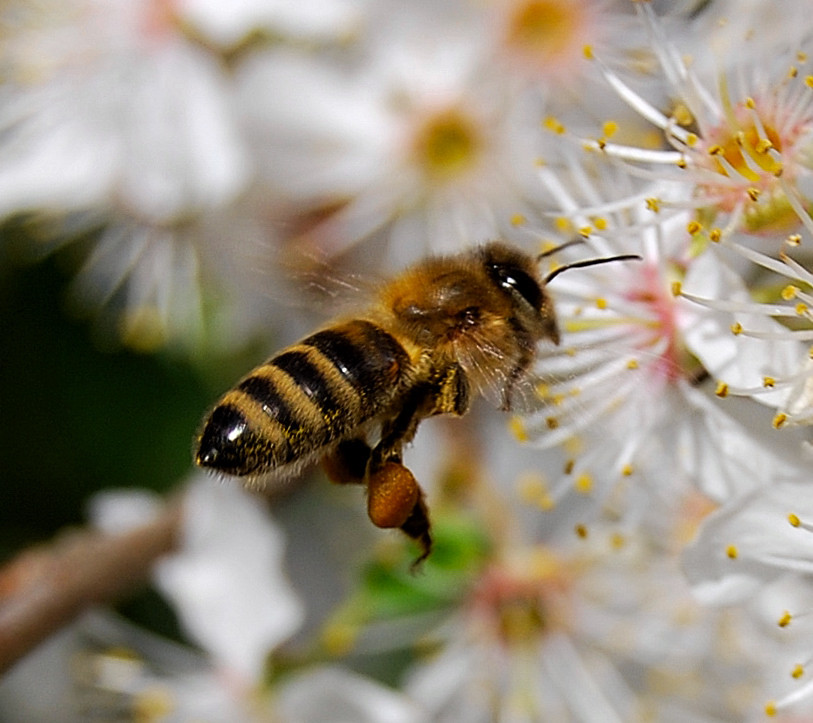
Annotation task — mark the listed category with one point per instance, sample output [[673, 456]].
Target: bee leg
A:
[[347, 464], [514, 376], [453, 393], [394, 499]]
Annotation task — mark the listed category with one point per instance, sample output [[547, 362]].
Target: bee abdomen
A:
[[306, 397]]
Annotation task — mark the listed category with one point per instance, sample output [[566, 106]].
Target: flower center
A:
[[519, 602], [748, 152], [751, 151], [543, 28], [447, 144]]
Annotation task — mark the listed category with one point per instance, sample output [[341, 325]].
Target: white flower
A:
[[756, 550], [741, 143], [226, 581], [230, 24], [112, 118], [621, 395], [597, 629]]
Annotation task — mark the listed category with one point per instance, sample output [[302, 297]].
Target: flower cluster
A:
[[631, 543]]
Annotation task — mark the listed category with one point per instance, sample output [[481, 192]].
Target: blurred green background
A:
[[77, 418]]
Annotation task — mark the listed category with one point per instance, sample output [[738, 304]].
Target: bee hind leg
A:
[[347, 463], [395, 499]]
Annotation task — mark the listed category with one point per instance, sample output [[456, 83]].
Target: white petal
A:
[[117, 511], [339, 696], [750, 541], [226, 580]]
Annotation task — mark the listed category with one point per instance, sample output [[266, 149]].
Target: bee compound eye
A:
[[225, 441], [517, 281]]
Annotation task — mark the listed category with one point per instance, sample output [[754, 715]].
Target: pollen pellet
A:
[[393, 493]]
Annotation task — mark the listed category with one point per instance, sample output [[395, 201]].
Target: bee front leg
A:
[[453, 394], [395, 499]]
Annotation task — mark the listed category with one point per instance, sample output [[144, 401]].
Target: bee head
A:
[[516, 274]]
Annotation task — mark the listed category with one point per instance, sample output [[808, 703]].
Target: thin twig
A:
[[46, 587]]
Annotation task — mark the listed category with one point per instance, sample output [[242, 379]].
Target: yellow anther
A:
[[789, 292], [801, 308], [600, 223], [554, 125], [794, 239], [569, 465], [753, 193], [564, 224], [691, 139], [681, 163], [715, 234], [518, 219], [585, 231], [677, 288], [694, 227], [682, 115], [587, 51], [784, 621], [721, 390], [716, 150], [617, 540], [732, 552], [601, 303], [809, 81], [798, 671], [551, 422], [609, 129], [517, 427], [583, 484], [750, 104], [770, 708], [653, 204], [736, 328], [763, 145], [794, 520], [581, 530], [627, 470], [632, 364], [793, 71], [768, 382], [779, 420]]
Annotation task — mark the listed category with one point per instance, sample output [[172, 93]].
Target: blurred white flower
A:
[[418, 143], [600, 628], [111, 117], [226, 581], [230, 24]]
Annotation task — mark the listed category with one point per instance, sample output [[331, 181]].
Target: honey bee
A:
[[442, 331]]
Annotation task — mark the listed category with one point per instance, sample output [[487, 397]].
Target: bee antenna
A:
[[589, 262], [556, 249]]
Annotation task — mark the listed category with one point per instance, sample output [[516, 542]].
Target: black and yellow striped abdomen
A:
[[308, 396]]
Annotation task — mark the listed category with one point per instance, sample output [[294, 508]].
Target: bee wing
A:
[[312, 282]]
